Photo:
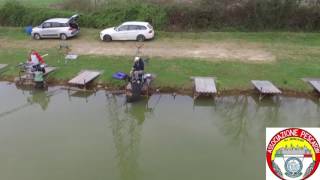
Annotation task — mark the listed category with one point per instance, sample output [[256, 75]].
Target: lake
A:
[[61, 135]]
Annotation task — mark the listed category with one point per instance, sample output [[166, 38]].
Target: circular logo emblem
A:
[[293, 167], [293, 154]]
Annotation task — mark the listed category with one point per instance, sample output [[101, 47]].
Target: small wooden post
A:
[[20, 77], [260, 95]]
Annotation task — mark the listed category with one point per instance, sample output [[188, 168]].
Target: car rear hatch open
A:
[[74, 18], [73, 22]]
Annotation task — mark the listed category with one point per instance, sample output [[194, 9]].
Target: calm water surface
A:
[[56, 135]]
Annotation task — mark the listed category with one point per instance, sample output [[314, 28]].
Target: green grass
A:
[[35, 2], [293, 38], [285, 73], [13, 33], [264, 38], [297, 54]]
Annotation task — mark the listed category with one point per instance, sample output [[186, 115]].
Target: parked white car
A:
[[133, 30], [62, 28]]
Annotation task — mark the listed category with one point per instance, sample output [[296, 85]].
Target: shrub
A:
[[200, 15], [115, 13], [11, 13], [15, 14], [246, 15]]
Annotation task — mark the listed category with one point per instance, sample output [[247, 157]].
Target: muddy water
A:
[[80, 136]]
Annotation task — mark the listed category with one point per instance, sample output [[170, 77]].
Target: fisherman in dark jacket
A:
[[137, 69]]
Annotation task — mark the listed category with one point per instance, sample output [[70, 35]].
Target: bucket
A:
[[28, 30], [120, 75]]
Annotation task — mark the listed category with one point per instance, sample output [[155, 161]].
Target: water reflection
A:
[[39, 97], [33, 97], [233, 111], [243, 119], [81, 94], [126, 124], [201, 102]]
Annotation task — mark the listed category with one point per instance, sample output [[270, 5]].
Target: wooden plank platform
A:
[[48, 71], [315, 85], [84, 77], [308, 79], [265, 87], [3, 66], [205, 85]]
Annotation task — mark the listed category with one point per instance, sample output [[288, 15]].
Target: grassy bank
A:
[[272, 38], [297, 56], [285, 73]]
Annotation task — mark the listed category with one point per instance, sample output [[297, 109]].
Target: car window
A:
[[133, 27], [55, 25], [123, 28], [59, 25], [142, 28], [46, 25]]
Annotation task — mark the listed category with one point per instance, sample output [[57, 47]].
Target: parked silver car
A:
[[62, 28]]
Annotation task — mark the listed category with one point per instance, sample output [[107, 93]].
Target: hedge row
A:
[[205, 15], [16, 14], [249, 15]]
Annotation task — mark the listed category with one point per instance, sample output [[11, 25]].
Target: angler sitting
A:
[[35, 62], [137, 71]]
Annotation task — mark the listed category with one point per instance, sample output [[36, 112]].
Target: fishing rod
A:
[[6, 113], [29, 103], [24, 63], [156, 104]]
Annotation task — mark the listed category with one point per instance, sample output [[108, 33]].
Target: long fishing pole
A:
[[3, 114], [29, 103], [156, 104]]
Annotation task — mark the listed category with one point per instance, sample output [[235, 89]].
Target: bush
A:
[[11, 13], [15, 14], [246, 15], [114, 14], [201, 15]]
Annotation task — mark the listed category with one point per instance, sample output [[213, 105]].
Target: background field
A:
[[35, 2]]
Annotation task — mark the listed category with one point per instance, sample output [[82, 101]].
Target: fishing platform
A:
[[204, 86], [84, 77], [265, 88], [315, 84], [27, 79]]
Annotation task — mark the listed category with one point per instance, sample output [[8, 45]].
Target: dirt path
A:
[[164, 49]]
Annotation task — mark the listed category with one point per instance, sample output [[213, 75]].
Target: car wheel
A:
[[107, 38], [36, 36], [141, 38], [63, 37]]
